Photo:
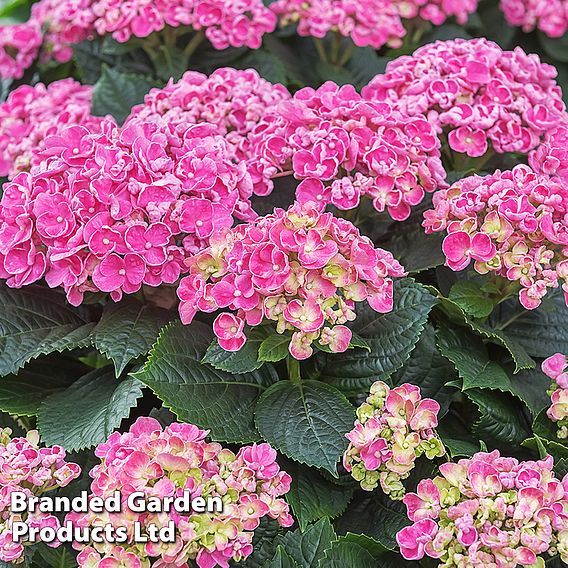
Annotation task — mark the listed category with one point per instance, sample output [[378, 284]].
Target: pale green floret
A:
[[364, 412], [433, 448], [359, 472], [370, 481]]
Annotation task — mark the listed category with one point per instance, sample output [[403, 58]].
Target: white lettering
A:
[[18, 501]]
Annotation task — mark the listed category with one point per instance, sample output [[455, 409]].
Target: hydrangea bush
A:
[[308, 259]]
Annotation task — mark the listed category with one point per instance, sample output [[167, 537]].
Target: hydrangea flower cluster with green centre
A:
[[511, 223], [488, 511], [27, 468], [556, 367], [394, 427], [165, 462], [301, 268]]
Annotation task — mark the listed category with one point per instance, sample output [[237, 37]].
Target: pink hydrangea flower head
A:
[[487, 511], [549, 16], [437, 11], [510, 223], [112, 209], [367, 22], [165, 462], [301, 270], [27, 468], [394, 427], [344, 148], [556, 367], [551, 157], [476, 94], [235, 101]]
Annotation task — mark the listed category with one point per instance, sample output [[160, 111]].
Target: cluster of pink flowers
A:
[[511, 223], [115, 209], [556, 367], [346, 148], [233, 100], [166, 463], [476, 94], [437, 11], [550, 16], [367, 22], [394, 427], [27, 468], [59, 24], [224, 23], [488, 511], [19, 47], [301, 268], [32, 113]]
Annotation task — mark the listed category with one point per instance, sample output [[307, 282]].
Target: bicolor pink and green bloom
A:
[[165, 462], [394, 427], [556, 367], [300, 270], [488, 510], [511, 224], [27, 468]]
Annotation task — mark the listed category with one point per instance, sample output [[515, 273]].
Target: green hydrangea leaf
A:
[[391, 338], [307, 421], [127, 330], [87, 412], [197, 392], [116, 92], [35, 321], [307, 547]]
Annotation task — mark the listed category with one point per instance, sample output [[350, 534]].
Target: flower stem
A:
[[511, 320], [336, 41], [170, 38], [193, 44], [477, 164], [320, 49], [293, 369], [417, 35], [347, 55]]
